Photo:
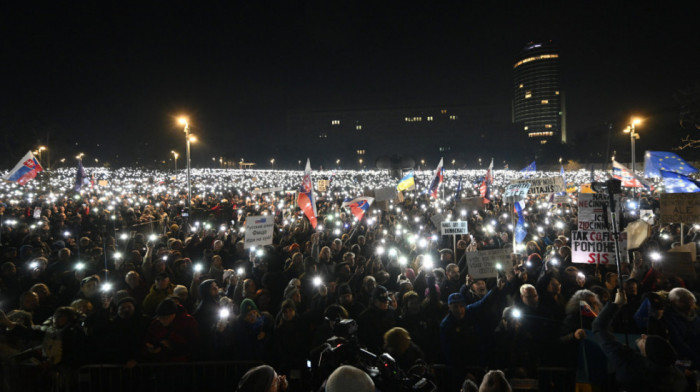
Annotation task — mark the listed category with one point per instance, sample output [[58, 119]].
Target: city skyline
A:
[[118, 77]]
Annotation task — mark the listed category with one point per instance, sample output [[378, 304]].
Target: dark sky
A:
[[118, 74]]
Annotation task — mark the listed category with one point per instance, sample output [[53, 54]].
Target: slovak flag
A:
[[305, 199], [629, 179], [437, 180], [485, 187], [586, 310], [25, 170], [358, 206]]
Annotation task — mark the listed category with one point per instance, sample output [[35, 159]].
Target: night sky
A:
[[118, 74]]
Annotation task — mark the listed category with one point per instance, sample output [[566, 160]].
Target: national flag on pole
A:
[[531, 168], [358, 206], [678, 183], [586, 310], [407, 182], [305, 199], [629, 179], [485, 187], [520, 230], [80, 176], [655, 161], [458, 192], [437, 180], [26, 169]]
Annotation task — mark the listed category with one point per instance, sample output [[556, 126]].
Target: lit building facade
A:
[[538, 102]]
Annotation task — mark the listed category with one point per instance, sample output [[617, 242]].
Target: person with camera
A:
[[650, 369]]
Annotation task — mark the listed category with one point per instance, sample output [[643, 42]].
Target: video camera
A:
[[344, 349]]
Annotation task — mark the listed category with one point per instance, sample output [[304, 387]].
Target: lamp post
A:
[[632, 130], [175, 156], [183, 121], [272, 163]]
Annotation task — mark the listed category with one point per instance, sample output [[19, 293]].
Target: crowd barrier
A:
[[203, 376]]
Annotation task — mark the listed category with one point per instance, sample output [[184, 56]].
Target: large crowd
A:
[[121, 272]]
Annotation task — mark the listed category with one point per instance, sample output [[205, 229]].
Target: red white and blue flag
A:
[[485, 187], [586, 310], [358, 206], [437, 180], [629, 179], [305, 199], [25, 170]]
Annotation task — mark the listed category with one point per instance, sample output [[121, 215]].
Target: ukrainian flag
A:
[[406, 183]]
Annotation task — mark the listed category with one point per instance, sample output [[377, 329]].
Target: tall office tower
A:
[[538, 102]]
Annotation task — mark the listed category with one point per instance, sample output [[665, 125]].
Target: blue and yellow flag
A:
[[655, 161], [407, 182]]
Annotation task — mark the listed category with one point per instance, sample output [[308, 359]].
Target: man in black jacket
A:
[[652, 370]]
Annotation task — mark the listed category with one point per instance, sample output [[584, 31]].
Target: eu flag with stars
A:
[[656, 161], [678, 183]]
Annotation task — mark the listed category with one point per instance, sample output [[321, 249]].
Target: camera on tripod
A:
[[612, 186], [344, 349]]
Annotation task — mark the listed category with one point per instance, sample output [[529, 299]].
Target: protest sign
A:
[[322, 185], [259, 230], [437, 219], [539, 186], [454, 227], [689, 248], [590, 210], [637, 232], [37, 212], [679, 264], [482, 264], [386, 193], [516, 191], [105, 183], [596, 247], [647, 216], [680, 208], [561, 199]]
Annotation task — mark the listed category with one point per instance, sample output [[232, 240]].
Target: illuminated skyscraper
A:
[[538, 102]]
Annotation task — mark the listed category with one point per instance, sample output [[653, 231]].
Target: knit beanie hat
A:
[[246, 306], [257, 379]]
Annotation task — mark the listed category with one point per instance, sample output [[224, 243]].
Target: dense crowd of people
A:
[[118, 273]]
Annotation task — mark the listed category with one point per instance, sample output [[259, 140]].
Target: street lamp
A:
[[272, 163], [189, 140], [453, 163], [631, 129], [175, 156], [361, 162], [80, 156], [39, 150]]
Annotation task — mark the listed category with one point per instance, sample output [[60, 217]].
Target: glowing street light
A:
[[189, 140], [272, 163], [175, 156], [631, 129]]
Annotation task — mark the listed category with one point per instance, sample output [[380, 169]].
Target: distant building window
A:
[[445, 149], [528, 94], [360, 152], [323, 135], [540, 134], [556, 92], [521, 85], [358, 127], [335, 122], [545, 101], [430, 118], [540, 57], [453, 117], [413, 119], [547, 125], [443, 111], [526, 128], [543, 142]]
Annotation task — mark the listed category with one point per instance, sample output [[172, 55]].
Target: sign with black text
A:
[[454, 228], [680, 208], [596, 247], [539, 186], [259, 230], [482, 264], [591, 211], [516, 191]]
